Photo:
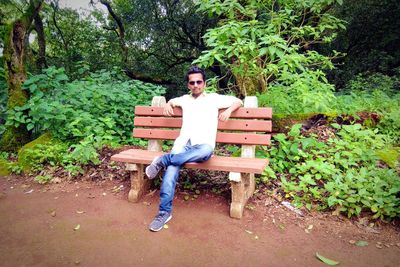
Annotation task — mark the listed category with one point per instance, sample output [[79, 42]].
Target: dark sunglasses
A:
[[195, 82]]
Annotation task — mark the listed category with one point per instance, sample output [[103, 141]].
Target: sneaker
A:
[[154, 168], [158, 223]]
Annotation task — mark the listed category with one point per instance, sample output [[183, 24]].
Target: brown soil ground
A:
[[37, 229]]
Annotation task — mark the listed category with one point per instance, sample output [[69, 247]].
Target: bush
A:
[[100, 105], [81, 116], [299, 93], [341, 174]]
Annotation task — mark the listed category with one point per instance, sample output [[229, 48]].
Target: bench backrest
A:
[[247, 126]]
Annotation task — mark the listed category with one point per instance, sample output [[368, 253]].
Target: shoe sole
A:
[[146, 170], [148, 176], [158, 229]]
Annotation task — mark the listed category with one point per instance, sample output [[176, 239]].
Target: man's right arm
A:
[[169, 107]]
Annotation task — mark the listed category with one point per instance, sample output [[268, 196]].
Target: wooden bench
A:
[[248, 126]]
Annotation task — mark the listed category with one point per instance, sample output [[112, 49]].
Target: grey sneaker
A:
[[158, 223], [154, 168]]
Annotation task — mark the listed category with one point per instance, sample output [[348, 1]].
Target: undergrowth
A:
[[345, 173]]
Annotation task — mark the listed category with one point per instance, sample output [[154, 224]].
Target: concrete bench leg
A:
[[241, 192], [139, 185]]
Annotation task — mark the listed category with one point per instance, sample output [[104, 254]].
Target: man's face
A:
[[196, 84]]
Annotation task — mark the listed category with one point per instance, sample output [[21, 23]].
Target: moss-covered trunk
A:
[[14, 57]]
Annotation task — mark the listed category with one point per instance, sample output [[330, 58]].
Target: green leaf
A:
[[362, 243], [30, 126], [326, 260]]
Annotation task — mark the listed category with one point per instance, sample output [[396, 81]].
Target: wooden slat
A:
[[160, 122], [243, 125], [250, 113], [218, 163], [222, 137]]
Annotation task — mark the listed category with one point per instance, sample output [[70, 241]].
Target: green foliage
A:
[[39, 156], [74, 41], [100, 106], [340, 174], [81, 115], [299, 93], [371, 39], [261, 41], [43, 179], [14, 167], [374, 93]]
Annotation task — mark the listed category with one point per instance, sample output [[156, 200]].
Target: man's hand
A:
[[168, 110], [224, 116]]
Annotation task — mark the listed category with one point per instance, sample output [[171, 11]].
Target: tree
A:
[[371, 40], [266, 40], [15, 35], [163, 37]]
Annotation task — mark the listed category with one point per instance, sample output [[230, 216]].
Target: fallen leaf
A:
[[186, 197], [326, 260], [197, 192], [104, 194], [53, 213], [77, 227], [249, 232], [28, 192], [165, 226], [352, 242], [80, 211], [310, 227], [250, 207], [256, 237], [361, 243]]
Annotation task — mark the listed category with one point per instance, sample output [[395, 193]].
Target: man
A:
[[196, 140]]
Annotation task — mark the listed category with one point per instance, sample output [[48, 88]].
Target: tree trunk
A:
[[41, 59], [14, 50], [120, 32]]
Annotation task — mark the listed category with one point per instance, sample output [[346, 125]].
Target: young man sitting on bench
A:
[[196, 140]]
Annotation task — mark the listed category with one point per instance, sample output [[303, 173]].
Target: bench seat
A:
[[215, 163]]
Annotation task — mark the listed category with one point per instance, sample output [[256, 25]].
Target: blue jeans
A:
[[173, 163]]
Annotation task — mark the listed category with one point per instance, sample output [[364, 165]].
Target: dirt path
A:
[[37, 229]]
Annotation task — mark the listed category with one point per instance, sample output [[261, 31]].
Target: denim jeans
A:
[[173, 163]]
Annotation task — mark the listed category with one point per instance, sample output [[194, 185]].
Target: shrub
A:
[[341, 174], [99, 105]]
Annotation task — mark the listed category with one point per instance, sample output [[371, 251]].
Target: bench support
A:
[[244, 187], [139, 184], [241, 192]]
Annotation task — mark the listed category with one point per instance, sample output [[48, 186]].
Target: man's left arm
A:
[[224, 116]]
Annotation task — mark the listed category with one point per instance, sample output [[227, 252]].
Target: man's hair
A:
[[195, 69]]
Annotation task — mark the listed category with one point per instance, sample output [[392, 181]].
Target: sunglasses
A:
[[196, 82]]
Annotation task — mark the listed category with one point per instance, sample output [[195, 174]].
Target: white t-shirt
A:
[[200, 117]]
